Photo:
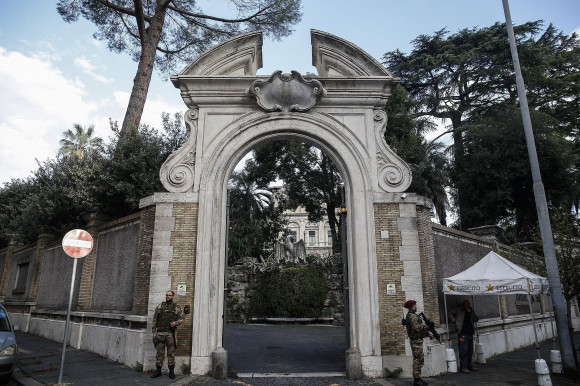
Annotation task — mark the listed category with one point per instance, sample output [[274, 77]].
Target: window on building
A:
[[21, 276], [294, 235], [329, 237], [311, 237]]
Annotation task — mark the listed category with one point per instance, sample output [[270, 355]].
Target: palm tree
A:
[[80, 142], [255, 197]]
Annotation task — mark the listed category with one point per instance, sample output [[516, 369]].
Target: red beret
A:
[[409, 303]]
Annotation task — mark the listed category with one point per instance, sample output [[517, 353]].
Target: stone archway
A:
[[231, 111]]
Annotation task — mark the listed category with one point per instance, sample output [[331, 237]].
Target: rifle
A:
[[431, 326], [173, 334]]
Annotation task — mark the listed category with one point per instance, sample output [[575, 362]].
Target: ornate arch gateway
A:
[[340, 111]]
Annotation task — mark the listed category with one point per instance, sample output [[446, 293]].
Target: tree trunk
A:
[[459, 158], [333, 224], [144, 73]]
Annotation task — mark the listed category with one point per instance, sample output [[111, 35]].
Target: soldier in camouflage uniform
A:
[[168, 315], [417, 330]]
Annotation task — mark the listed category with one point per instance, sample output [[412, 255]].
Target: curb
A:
[[23, 380]]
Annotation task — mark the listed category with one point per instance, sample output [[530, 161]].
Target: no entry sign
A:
[[77, 243]]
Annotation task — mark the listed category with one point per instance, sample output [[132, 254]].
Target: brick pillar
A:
[[143, 270], [6, 272], [390, 270], [43, 240], [405, 259], [88, 264], [182, 266]]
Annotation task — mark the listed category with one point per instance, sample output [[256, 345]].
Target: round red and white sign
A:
[[77, 243]]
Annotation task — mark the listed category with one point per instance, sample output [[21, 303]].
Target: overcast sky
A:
[[54, 74]]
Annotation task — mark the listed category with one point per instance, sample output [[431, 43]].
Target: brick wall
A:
[[182, 266], [390, 270]]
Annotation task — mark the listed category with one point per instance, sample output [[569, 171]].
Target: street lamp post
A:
[[542, 209]]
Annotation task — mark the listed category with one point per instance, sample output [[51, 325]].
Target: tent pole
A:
[[446, 320], [476, 327], [534, 324]]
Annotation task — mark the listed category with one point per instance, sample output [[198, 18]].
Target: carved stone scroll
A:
[[177, 171], [286, 92], [394, 175]]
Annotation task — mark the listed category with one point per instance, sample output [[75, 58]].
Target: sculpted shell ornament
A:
[[286, 92], [176, 173]]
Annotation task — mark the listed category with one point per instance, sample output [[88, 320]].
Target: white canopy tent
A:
[[495, 275]]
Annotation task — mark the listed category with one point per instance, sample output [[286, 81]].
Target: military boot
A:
[[171, 373], [157, 373]]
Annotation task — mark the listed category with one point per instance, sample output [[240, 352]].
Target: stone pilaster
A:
[[88, 263], [143, 269], [43, 241], [6, 273]]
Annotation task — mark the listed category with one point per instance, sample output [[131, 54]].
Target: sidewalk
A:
[[39, 363]]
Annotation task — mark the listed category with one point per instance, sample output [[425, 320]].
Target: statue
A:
[[291, 251]]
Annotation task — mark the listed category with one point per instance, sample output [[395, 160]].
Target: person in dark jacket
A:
[[464, 317]]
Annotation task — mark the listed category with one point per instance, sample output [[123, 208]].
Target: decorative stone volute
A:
[[286, 92], [177, 171], [394, 174]]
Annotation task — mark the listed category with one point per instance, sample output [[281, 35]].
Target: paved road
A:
[[285, 348], [259, 349]]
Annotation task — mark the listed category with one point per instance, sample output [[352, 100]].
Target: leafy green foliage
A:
[[310, 177], [297, 292], [466, 77], [80, 142], [566, 233], [108, 180], [427, 160], [496, 180], [395, 373], [255, 217]]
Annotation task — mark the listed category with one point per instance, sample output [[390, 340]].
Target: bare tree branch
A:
[[202, 16]]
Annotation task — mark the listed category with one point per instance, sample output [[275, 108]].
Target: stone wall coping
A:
[[173, 198], [293, 320], [510, 322], [402, 198], [17, 303], [120, 221], [90, 314], [441, 229]]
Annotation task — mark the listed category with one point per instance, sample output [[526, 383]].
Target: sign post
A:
[[76, 243]]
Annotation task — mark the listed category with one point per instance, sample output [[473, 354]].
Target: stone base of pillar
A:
[[353, 364], [219, 363]]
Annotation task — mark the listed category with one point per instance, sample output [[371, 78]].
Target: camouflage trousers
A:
[[418, 358], [162, 340]]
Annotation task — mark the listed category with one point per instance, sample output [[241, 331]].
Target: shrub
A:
[[392, 373], [297, 292]]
